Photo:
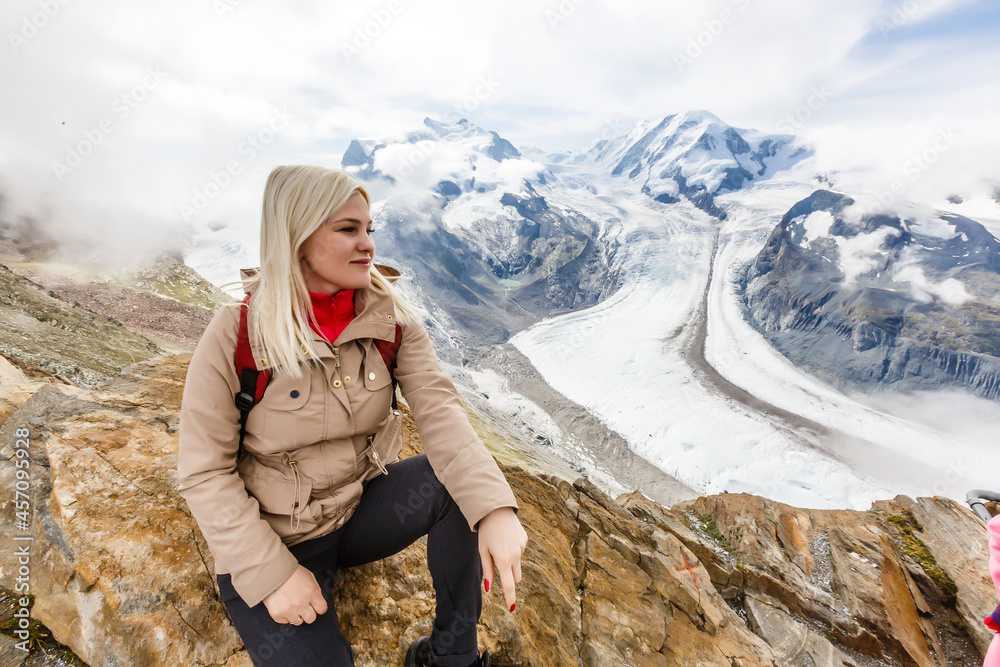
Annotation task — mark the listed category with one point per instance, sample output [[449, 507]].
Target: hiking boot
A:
[[419, 655]]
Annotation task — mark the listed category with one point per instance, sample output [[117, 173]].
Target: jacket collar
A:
[[374, 317]]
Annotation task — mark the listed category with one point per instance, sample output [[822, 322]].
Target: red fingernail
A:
[[486, 585], [512, 607]]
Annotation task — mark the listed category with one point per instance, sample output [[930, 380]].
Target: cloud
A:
[[951, 291], [861, 253], [377, 68]]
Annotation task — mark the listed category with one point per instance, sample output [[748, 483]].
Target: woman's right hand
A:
[[299, 597]]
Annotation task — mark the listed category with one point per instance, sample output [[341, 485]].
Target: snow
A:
[[632, 359], [471, 208], [680, 146], [900, 455], [817, 224], [624, 360], [935, 226]]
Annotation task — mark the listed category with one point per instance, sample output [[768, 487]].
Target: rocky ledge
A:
[[121, 574]]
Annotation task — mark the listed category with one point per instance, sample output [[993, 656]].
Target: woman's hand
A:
[[501, 543], [298, 598]]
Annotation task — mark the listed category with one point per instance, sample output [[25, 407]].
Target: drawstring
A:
[[374, 455], [296, 516]]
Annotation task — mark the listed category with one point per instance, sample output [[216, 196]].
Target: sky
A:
[[127, 126]]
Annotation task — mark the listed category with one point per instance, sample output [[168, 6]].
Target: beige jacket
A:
[[312, 443]]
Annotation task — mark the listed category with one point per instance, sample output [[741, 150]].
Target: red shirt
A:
[[333, 313]]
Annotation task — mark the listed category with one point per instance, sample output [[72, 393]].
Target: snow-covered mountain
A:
[[484, 230], [872, 299], [694, 155], [612, 303], [499, 241], [632, 277]]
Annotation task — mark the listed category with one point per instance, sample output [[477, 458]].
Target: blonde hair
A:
[[297, 200]]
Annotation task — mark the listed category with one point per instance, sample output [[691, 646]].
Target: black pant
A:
[[395, 510]]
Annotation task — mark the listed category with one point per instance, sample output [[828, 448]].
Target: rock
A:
[[793, 642], [122, 575], [119, 572], [15, 389], [849, 576], [83, 348], [955, 541], [171, 324], [10, 655]]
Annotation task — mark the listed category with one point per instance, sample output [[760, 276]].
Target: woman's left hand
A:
[[501, 543]]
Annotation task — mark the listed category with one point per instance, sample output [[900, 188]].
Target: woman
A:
[[309, 491]]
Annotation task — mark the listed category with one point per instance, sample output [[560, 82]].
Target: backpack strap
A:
[[388, 351], [253, 382]]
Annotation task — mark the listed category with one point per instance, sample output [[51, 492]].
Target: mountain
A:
[[875, 300], [483, 228], [611, 285], [500, 238], [696, 156]]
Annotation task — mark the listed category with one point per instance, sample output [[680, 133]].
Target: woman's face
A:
[[338, 255]]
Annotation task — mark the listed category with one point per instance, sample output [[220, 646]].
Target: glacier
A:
[[616, 272]]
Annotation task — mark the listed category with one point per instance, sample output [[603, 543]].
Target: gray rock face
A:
[[551, 258], [878, 301], [500, 148]]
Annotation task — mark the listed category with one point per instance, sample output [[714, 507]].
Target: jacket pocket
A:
[[385, 445], [376, 374], [293, 417], [276, 491]]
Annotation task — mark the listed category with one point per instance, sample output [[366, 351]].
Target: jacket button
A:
[[390, 317], [371, 376], [263, 362], [336, 383], [295, 393], [347, 378], [304, 349]]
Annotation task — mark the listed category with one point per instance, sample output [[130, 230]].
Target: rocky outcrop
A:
[[16, 389], [121, 574], [171, 324], [878, 302], [877, 586], [51, 337]]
